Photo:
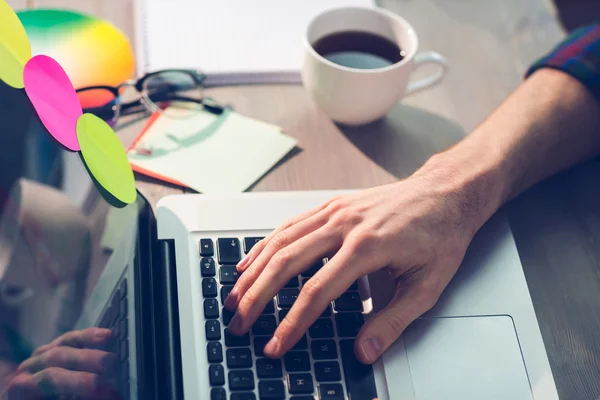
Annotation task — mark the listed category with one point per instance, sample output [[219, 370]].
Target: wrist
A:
[[471, 176]]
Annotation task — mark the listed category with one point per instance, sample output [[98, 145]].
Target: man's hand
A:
[[72, 365], [420, 228]]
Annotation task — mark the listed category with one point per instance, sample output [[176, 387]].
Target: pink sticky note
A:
[[54, 98]]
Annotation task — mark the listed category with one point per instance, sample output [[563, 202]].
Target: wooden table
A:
[[489, 45]]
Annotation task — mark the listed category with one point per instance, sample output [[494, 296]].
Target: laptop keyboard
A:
[[322, 365], [115, 318]]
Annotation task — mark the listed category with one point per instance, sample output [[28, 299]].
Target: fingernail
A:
[[371, 349], [271, 347], [102, 334], [243, 263], [235, 325], [231, 300]]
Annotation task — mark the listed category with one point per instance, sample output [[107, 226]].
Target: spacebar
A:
[[360, 381]]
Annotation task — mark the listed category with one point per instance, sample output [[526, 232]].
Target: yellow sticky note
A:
[[105, 158], [15, 49]]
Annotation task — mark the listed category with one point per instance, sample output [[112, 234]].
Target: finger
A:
[[260, 246], [284, 265], [85, 360], [326, 285], [90, 337], [281, 240], [60, 382], [384, 328]]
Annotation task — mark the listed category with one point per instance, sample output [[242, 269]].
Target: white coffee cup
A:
[[355, 96], [44, 241]]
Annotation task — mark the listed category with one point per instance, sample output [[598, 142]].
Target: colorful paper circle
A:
[[15, 49], [105, 158], [92, 51], [54, 99]]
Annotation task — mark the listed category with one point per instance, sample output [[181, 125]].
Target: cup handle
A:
[[428, 57]]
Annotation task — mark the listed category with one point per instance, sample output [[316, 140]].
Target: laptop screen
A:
[[64, 251]]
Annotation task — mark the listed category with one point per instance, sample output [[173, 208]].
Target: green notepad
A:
[[211, 153]]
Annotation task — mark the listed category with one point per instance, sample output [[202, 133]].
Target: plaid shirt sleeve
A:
[[578, 55]]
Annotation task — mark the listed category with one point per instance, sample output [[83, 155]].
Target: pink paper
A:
[[53, 97]]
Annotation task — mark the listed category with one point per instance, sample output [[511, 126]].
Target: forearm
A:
[[550, 123]]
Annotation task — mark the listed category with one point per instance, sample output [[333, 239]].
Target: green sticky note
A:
[[15, 49], [105, 158]]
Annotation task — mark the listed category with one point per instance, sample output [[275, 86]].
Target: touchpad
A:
[[465, 358]]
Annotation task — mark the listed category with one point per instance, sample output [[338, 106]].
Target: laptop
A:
[[162, 292]]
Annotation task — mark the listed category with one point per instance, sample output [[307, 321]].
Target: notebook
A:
[[224, 153], [233, 41]]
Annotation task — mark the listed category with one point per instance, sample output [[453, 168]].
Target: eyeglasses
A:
[[175, 93]]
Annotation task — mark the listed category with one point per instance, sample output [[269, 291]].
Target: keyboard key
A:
[[268, 368], [287, 297], [348, 324], [259, 344], [225, 290], [213, 330], [228, 275], [215, 352], [236, 341], [297, 361], [123, 308], [216, 375], [239, 358], [229, 250], [302, 398], [207, 267], [323, 349], [209, 287], [302, 344], [211, 309], [328, 371], [249, 243], [218, 394], [123, 329], [282, 314], [227, 315], [300, 383], [241, 380], [327, 312], [243, 396], [114, 308], [206, 248], [293, 283], [349, 301], [360, 382], [123, 288], [334, 391], [354, 286], [270, 308], [321, 328], [125, 371], [264, 325], [124, 350], [271, 390], [313, 269]]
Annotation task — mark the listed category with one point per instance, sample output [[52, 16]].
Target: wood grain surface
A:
[[489, 45]]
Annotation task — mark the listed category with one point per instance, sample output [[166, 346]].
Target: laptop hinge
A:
[[166, 323]]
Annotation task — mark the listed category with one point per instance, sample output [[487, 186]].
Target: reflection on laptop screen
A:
[[66, 264]]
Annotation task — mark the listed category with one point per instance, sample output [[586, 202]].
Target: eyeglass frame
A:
[[144, 100]]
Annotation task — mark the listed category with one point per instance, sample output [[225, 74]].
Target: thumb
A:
[[384, 328]]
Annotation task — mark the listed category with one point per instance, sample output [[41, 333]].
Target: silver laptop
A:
[[481, 341]]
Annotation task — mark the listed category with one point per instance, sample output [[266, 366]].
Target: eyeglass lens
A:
[[174, 93]]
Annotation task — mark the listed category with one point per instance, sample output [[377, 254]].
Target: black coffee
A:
[[356, 49]]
